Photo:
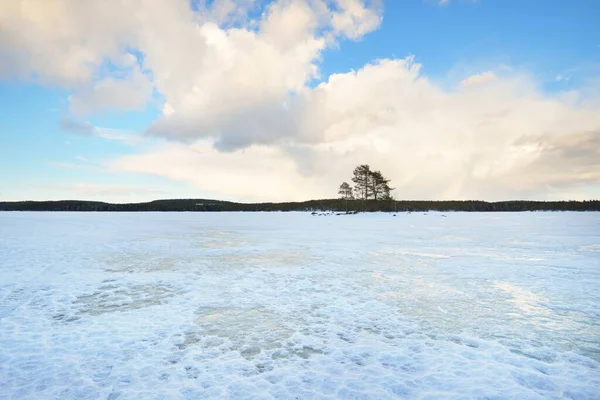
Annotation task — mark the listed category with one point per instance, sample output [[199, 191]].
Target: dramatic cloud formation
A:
[[249, 116], [501, 140]]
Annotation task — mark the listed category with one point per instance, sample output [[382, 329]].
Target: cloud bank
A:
[[246, 112]]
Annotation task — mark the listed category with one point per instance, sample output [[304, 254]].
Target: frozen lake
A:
[[293, 306]]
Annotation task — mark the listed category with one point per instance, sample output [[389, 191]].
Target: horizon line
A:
[[296, 201]]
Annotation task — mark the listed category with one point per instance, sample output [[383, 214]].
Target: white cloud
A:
[[355, 19], [131, 92], [94, 190], [246, 121], [502, 140], [561, 78], [73, 166], [88, 129], [209, 69], [81, 163], [61, 41], [257, 174], [478, 79]]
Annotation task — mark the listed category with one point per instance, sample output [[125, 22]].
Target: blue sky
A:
[[255, 116], [548, 37]]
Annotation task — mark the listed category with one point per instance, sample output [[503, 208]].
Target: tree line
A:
[[200, 205]]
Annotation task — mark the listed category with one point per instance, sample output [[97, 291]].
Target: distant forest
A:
[[335, 205]]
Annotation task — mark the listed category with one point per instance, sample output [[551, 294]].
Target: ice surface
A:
[[287, 305]]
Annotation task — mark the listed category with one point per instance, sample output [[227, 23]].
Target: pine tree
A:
[[379, 186], [345, 192], [361, 179]]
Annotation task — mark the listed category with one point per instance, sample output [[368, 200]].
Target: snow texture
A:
[[294, 306]]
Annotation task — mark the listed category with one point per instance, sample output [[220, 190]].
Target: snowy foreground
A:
[[294, 306]]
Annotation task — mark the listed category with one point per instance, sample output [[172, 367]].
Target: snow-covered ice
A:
[[289, 305]]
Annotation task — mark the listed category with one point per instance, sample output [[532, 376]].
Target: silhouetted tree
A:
[[345, 192], [379, 186], [361, 179]]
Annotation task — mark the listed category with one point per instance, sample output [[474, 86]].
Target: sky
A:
[[250, 100]]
